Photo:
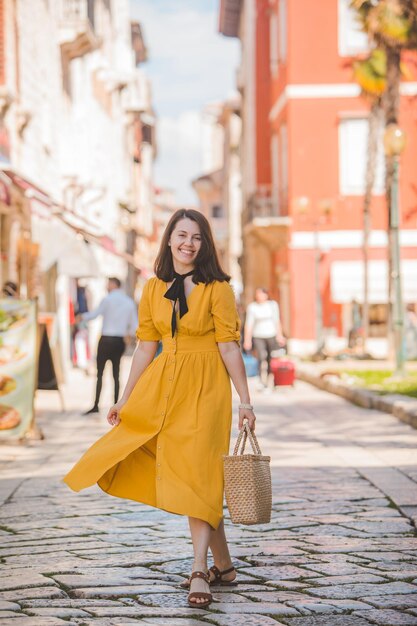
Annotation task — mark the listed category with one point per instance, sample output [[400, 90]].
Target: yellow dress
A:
[[175, 427]]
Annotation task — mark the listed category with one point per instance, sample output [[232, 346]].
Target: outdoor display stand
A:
[[18, 365], [47, 378], [49, 369]]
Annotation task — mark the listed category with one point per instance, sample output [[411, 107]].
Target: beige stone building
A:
[[77, 145]]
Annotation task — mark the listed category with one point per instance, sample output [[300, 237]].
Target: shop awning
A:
[[5, 183], [347, 279], [66, 238], [40, 202], [60, 244]]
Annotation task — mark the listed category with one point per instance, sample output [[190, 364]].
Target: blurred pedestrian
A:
[[172, 424], [356, 331], [119, 324], [80, 339], [410, 332], [263, 332]]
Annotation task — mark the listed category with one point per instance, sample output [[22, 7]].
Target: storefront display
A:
[[18, 365]]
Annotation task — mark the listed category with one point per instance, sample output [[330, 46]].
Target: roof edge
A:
[[229, 17]]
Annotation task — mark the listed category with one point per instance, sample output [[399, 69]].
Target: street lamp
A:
[[394, 144]]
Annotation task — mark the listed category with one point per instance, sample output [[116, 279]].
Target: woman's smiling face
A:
[[185, 245]]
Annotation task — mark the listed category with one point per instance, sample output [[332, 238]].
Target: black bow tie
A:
[[176, 293]]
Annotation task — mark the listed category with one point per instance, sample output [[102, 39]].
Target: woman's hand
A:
[[113, 416], [247, 345], [249, 415]]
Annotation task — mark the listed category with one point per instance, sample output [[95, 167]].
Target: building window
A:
[[283, 140], [273, 49], [282, 30], [275, 161], [91, 12], [353, 143], [217, 210], [352, 40], [147, 134]]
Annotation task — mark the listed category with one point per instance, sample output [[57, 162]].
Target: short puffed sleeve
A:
[[224, 312], [146, 330]]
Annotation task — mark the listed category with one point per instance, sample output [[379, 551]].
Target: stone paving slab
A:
[[59, 612], [30, 620], [336, 620], [325, 581], [243, 618], [392, 601], [389, 618], [259, 608], [142, 611], [338, 551], [8, 606], [46, 593], [360, 591], [170, 622], [76, 603], [120, 591]]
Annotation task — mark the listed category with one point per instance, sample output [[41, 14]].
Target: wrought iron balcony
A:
[[77, 35]]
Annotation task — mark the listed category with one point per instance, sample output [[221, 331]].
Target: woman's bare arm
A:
[[280, 335], [232, 358], [142, 357], [247, 341]]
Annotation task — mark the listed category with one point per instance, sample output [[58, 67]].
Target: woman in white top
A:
[[263, 328]]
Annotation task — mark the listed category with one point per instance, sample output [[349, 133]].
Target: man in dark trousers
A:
[[119, 322]]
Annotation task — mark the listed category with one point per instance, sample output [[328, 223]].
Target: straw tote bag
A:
[[247, 482]]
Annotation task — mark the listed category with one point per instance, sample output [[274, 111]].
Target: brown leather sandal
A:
[[207, 597], [218, 577], [217, 580]]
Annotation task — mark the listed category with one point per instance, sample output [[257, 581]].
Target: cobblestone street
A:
[[340, 551]]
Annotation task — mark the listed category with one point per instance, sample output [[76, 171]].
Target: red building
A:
[[304, 158]]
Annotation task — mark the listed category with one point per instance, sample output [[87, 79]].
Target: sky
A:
[[190, 65]]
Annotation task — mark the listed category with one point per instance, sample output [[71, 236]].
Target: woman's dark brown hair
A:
[[207, 264]]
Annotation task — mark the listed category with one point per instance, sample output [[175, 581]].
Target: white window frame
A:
[[351, 40], [351, 184]]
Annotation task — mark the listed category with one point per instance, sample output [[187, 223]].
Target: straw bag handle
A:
[[246, 432]]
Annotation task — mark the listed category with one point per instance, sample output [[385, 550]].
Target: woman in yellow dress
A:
[[171, 427]]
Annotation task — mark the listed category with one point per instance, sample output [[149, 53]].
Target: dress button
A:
[[163, 413], [159, 447], [158, 465], [171, 378]]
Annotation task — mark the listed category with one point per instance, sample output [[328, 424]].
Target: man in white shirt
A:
[[119, 322]]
